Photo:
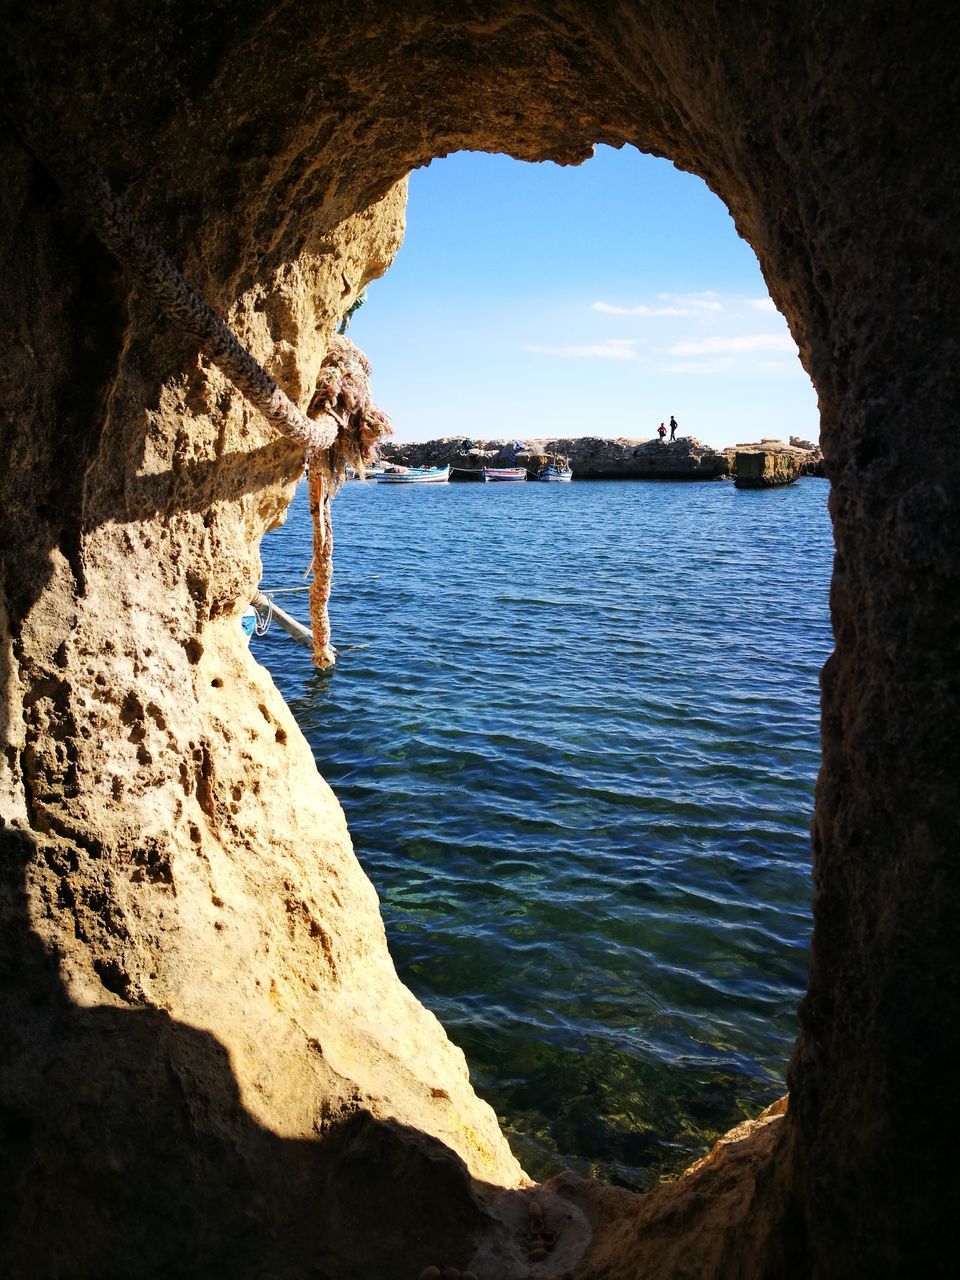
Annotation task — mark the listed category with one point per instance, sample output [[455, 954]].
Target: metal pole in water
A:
[[296, 630]]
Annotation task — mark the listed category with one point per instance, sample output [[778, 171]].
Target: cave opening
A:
[[185, 896], [536, 299], [590, 941]]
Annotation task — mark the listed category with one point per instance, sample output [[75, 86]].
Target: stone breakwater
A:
[[592, 458]]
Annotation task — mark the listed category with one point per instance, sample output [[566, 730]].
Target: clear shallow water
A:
[[575, 732]]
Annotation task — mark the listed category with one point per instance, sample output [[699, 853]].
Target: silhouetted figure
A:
[[673, 427]]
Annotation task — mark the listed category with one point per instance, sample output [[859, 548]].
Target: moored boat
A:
[[369, 473], [491, 474], [555, 475], [414, 475]]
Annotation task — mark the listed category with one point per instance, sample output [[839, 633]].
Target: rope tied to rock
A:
[[83, 182], [343, 426]]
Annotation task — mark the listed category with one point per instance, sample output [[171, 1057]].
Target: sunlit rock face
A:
[[798, 458], [764, 469], [209, 1064]]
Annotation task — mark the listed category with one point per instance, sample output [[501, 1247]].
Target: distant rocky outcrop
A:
[[593, 458], [590, 457]]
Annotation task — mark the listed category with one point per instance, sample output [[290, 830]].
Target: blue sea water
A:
[[575, 730]]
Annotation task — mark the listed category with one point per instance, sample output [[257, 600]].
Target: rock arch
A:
[[176, 878]]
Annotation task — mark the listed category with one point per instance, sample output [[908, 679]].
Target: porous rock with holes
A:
[[207, 1064]]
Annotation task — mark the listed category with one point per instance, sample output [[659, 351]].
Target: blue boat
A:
[[499, 475]]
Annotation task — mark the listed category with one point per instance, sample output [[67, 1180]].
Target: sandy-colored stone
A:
[[711, 1222], [763, 469], [187, 931], [799, 456]]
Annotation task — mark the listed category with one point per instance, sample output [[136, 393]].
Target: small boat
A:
[[369, 473], [414, 475], [555, 475], [491, 474]]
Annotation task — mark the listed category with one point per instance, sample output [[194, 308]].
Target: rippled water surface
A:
[[575, 732]]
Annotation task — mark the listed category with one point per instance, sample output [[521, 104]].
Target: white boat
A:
[[555, 475], [491, 474], [414, 475], [369, 473]]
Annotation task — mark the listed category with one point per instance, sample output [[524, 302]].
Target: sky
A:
[[533, 300]]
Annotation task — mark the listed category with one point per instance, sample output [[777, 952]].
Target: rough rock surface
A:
[[165, 1110], [764, 469], [706, 1223], [806, 457], [202, 1018]]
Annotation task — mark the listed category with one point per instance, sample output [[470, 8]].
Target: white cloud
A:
[[610, 310], [608, 349], [745, 344], [761, 304], [704, 300], [715, 333], [671, 304], [721, 365]]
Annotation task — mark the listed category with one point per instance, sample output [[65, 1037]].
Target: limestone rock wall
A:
[[164, 1104], [198, 1002]]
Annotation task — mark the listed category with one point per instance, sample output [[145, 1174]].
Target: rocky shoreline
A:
[[766, 462]]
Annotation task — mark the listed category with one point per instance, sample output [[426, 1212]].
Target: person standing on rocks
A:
[[673, 427], [662, 432]]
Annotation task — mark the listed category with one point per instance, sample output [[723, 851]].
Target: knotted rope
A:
[[343, 385], [334, 440], [82, 181]]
